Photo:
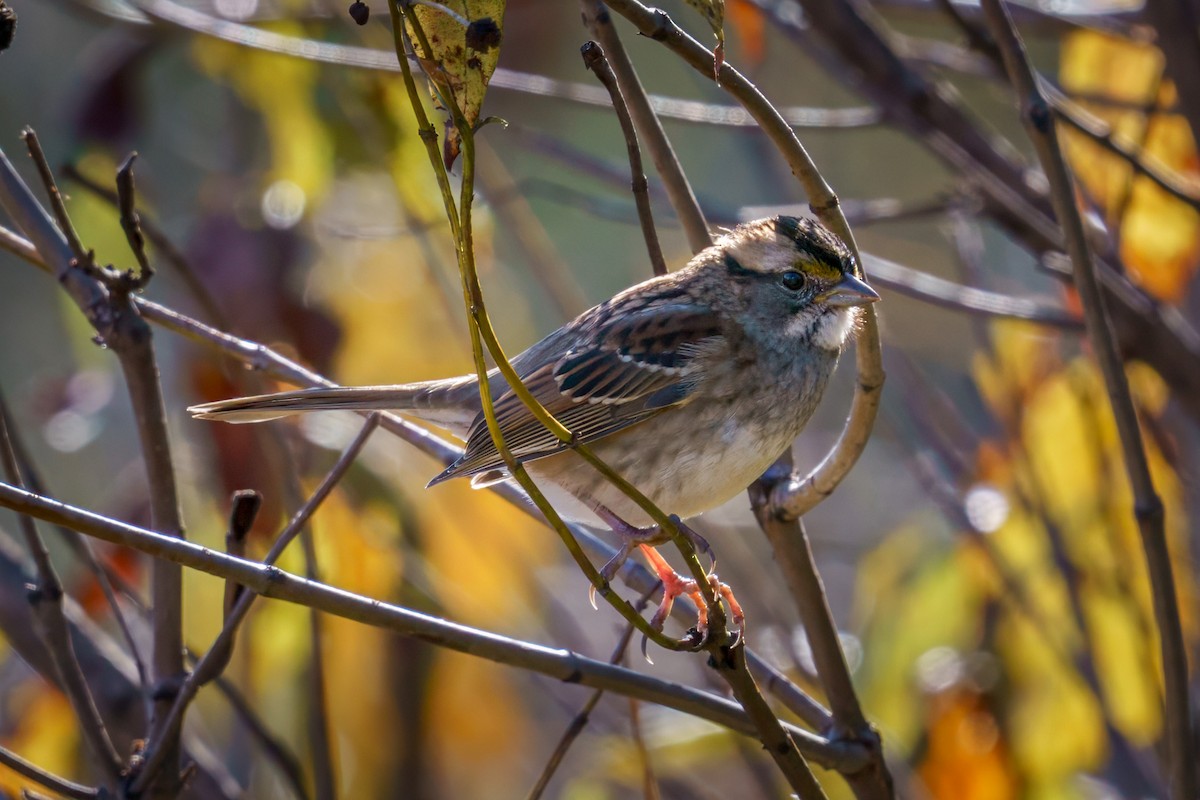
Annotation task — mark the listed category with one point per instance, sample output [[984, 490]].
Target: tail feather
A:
[[451, 403]]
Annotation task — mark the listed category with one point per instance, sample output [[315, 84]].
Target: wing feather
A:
[[634, 365]]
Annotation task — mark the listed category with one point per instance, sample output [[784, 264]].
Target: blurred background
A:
[[982, 559]]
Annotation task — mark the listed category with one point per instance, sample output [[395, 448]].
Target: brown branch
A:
[[941, 292], [211, 664], [805, 585], [1100, 132], [162, 245], [257, 38], [270, 581], [105, 298], [131, 222], [38, 775], [593, 59], [649, 128], [46, 599], [57, 205], [1148, 508]]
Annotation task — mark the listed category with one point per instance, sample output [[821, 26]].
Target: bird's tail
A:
[[452, 403]]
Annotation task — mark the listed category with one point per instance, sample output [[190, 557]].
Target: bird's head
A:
[[793, 282]]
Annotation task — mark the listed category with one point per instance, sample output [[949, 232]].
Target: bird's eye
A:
[[792, 281]]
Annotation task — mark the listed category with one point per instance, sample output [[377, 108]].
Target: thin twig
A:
[[270, 581], [1146, 164], [1148, 508], [162, 245], [131, 222], [46, 598], [593, 59], [211, 663], [56, 199], [258, 38], [649, 781], [275, 749], [33, 772], [646, 122]]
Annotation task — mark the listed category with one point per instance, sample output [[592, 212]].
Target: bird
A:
[[689, 385]]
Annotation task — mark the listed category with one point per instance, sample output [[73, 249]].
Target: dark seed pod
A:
[[360, 12]]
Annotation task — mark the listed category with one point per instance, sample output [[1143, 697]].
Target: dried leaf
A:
[[461, 57]]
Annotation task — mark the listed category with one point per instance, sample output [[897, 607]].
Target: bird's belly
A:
[[683, 474]]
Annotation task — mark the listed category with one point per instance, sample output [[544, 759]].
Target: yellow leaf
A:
[[1063, 451], [459, 53], [713, 12], [1160, 235], [1127, 670]]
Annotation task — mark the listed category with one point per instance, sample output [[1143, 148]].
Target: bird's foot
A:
[[674, 584], [633, 537]]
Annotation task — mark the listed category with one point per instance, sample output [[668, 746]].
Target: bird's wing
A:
[[631, 366]]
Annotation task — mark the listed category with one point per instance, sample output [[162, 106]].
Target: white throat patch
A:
[[833, 330]]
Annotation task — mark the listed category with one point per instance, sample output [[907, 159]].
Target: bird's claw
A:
[[699, 542]]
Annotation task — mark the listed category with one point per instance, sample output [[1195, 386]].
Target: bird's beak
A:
[[850, 291]]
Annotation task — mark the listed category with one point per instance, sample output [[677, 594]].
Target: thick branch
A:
[[269, 581]]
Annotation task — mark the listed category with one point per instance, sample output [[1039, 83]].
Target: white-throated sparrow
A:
[[689, 384]]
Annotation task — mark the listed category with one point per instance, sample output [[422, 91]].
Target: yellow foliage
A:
[[478, 717], [1056, 724], [1060, 441], [281, 90], [44, 733], [966, 758], [913, 597], [1126, 661], [1160, 235]]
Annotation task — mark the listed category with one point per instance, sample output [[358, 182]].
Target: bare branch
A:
[[645, 120], [1148, 508], [580, 720], [948, 294], [172, 13], [46, 599], [270, 581], [35, 773], [593, 58], [131, 222]]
